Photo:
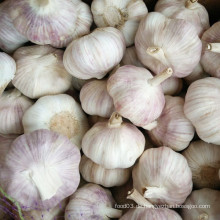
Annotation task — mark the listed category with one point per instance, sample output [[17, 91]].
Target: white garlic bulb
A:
[[124, 15], [172, 86], [95, 99], [93, 55], [163, 176], [40, 71], [162, 42], [137, 95], [113, 144], [202, 108], [91, 202], [207, 202], [173, 129], [7, 70], [204, 161], [59, 113], [12, 108], [189, 10], [95, 173]]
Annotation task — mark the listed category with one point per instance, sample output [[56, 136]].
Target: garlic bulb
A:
[[113, 144], [12, 108], [95, 99], [95, 173], [137, 95], [40, 71], [211, 53], [91, 202], [189, 10], [7, 70], [169, 43], [59, 113], [173, 129], [164, 175], [10, 38], [204, 161], [78, 83], [172, 86], [207, 202], [124, 15], [93, 55], [41, 169], [202, 108]]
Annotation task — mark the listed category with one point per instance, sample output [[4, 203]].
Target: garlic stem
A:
[[190, 4], [214, 47], [112, 16], [150, 126], [203, 216], [112, 213], [158, 79], [157, 53], [115, 120], [138, 198], [155, 192]]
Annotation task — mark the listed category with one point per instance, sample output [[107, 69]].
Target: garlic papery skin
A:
[[204, 161], [207, 202], [95, 173], [113, 144], [173, 129], [94, 55], [40, 71], [91, 202], [155, 50], [163, 176], [10, 38], [189, 10], [211, 52], [7, 70], [172, 86], [12, 108], [124, 15], [135, 88], [40, 170], [202, 108], [95, 99], [59, 113]]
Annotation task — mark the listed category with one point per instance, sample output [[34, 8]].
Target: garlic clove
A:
[[59, 113], [95, 173], [204, 161], [40, 71]]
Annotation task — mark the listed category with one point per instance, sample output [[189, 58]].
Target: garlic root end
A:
[[191, 3]]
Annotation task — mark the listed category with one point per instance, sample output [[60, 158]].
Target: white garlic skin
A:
[[59, 113], [105, 48], [125, 15], [173, 129], [95, 173], [204, 161], [12, 108], [95, 99], [182, 55], [194, 13], [204, 198], [164, 174], [172, 86], [202, 108]]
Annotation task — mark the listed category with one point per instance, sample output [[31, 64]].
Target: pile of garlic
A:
[[109, 110]]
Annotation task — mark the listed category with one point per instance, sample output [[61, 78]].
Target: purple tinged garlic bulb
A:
[[40, 71], [202, 108], [162, 42], [211, 52], [137, 95], [59, 113], [40, 170], [204, 162], [95, 99], [12, 108], [94, 55], [163, 176], [173, 129], [91, 202], [189, 10], [207, 200], [125, 15], [95, 173], [113, 144]]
